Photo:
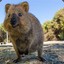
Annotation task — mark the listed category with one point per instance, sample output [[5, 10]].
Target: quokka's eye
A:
[[9, 15], [20, 14]]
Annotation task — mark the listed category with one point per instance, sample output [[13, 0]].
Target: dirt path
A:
[[53, 54]]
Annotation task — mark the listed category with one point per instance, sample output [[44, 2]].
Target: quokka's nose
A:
[[13, 19]]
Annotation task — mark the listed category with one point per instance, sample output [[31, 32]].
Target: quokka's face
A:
[[16, 15]]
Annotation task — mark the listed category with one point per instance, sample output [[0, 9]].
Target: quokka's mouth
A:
[[14, 26]]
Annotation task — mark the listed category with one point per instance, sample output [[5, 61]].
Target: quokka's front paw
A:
[[16, 60]]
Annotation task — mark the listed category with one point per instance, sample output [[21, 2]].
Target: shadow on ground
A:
[[53, 54]]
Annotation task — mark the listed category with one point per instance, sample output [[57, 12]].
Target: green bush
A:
[[56, 25]]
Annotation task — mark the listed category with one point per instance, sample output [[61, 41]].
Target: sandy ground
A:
[[52, 53], [45, 43]]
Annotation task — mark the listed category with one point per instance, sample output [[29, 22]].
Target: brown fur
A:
[[28, 35]]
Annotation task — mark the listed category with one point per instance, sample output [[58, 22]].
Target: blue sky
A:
[[43, 9]]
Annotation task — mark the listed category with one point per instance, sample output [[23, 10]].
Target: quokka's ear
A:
[[7, 7], [25, 6]]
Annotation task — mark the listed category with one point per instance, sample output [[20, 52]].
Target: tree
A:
[[54, 29], [2, 33]]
